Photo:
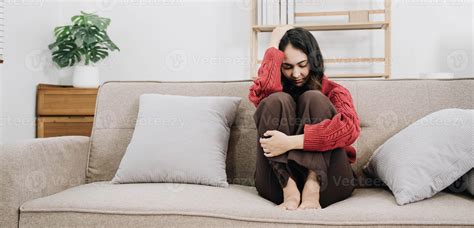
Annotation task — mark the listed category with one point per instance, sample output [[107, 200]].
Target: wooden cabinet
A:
[[64, 110]]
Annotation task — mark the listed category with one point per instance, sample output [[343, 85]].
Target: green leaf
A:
[[97, 53], [109, 44], [62, 32], [89, 19], [67, 54]]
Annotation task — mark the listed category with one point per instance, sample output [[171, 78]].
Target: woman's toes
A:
[[291, 196], [284, 205], [302, 206], [290, 204], [309, 205]]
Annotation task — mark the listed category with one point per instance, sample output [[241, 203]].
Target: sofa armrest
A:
[[39, 167]]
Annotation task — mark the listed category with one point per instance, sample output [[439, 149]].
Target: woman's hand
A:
[[277, 34], [279, 143]]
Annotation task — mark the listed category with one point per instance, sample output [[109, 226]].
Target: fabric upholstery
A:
[[36, 168], [470, 182], [463, 184], [165, 204], [384, 108]]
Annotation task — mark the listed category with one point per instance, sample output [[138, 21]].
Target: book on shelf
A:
[[275, 12], [290, 12], [283, 12]]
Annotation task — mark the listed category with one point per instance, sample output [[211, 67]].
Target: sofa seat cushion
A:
[[152, 204]]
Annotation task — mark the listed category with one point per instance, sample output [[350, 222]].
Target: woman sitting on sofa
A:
[[306, 124]]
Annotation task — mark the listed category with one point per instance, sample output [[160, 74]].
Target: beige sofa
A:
[[64, 181]]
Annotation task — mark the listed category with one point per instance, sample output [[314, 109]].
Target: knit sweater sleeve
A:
[[340, 131], [268, 80]]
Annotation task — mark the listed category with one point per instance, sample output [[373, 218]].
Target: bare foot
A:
[[310, 193], [291, 196]]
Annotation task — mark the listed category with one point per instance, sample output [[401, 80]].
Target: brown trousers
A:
[[279, 111]]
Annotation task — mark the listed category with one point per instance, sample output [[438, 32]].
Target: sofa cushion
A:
[[384, 108], [427, 156], [179, 139], [157, 204]]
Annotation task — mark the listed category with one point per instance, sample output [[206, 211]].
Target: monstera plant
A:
[[82, 44]]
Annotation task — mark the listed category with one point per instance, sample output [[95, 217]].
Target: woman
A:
[[306, 124]]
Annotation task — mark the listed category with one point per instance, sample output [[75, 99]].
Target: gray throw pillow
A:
[[427, 156], [179, 139]]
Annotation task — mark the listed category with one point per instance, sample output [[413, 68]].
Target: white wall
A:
[[26, 35], [209, 40], [175, 40], [433, 37]]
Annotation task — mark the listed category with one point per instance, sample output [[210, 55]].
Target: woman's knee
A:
[[275, 102], [317, 104], [277, 97], [313, 96]]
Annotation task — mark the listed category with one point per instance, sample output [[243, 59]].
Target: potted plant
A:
[[81, 45]]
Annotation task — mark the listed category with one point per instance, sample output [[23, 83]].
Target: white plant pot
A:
[[86, 77]]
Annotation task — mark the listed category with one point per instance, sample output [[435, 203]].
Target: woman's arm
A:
[[268, 80], [297, 141], [269, 77]]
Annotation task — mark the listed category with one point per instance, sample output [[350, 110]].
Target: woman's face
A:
[[295, 66]]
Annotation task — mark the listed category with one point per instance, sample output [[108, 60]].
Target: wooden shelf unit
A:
[[357, 20], [64, 110], [329, 27]]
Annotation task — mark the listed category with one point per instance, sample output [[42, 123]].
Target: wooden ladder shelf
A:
[[357, 20]]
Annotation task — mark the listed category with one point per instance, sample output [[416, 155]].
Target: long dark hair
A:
[[303, 40]]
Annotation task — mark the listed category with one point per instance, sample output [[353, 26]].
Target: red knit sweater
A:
[[340, 131]]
